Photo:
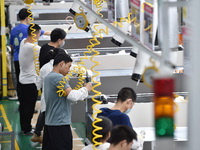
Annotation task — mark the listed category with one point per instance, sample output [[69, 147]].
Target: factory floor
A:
[[9, 118]]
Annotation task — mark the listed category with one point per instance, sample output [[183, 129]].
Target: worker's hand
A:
[[88, 86]]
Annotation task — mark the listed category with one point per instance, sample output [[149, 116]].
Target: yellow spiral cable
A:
[[93, 43], [60, 91], [36, 54], [120, 23], [81, 71], [97, 102], [129, 20], [149, 27]]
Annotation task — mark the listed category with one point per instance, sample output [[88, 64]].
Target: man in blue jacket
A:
[[118, 114]]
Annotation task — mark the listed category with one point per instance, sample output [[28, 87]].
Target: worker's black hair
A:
[[33, 27], [62, 56], [126, 93], [106, 125], [23, 13], [56, 34], [53, 52], [122, 132]]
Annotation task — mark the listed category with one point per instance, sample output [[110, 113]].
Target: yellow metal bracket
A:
[[3, 48]]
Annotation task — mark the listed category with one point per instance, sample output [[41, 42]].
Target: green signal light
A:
[[164, 127], [162, 132]]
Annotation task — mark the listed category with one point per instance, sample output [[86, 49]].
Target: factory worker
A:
[[28, 92], [106, 125], [18, 33], [57, 38], [44, 71], [122, 138], [118, 113], [57, 131]]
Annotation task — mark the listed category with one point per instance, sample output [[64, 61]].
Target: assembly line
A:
[[99, 74]]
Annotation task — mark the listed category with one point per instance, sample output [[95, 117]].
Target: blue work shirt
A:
[[18, 33], [116, 116]]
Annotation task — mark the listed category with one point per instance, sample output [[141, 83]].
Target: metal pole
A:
[[3, 43], [164, 32], [194, 102]]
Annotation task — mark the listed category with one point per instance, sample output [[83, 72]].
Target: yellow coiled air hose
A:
[[98, 4], [36, 54], [129, 20], [97, 93], [97, 102], [81, 71]]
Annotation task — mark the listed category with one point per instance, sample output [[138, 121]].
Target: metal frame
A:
[[12, 134], [128, 38], [194, 103]]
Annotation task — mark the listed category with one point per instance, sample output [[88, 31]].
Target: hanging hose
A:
[[81, 70], [35, 50], [97, 102], [98, 4], [129, 20]]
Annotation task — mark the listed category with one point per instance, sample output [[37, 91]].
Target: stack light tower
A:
[[164, 106]]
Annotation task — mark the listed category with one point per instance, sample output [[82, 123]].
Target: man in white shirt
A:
[[27, 77], [44, 71]]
